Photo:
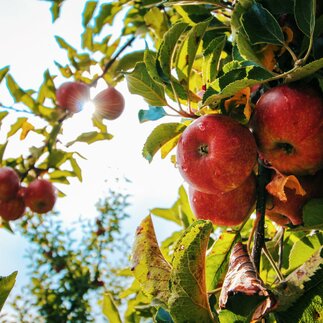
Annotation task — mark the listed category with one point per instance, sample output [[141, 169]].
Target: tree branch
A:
[[259, 238]]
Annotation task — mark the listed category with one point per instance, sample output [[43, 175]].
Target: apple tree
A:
[[242, 82]]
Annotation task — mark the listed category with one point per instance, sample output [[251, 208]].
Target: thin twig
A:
[[113, 59], [272, 262]]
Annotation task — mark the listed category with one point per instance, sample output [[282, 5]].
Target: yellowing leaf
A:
[[240, 98], [25, 128], [188, 301], [167, 148], [148, 264], [110, 309]]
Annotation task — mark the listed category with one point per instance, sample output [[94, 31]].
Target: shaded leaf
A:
[[159, 137], [261, 27], [140, 82], [312, 213], [304, 11], [88, 11], [154, 113], [188, 301], [129, 61], [6, 285], [148, 264], [306, 70], [109, 308]]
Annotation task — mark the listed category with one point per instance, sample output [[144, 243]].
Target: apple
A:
[[40, 196], [109, 103], [288, 126], [291, 211], [9, 183], [71, 96], [225, 209], [216, 153], [12, 209]]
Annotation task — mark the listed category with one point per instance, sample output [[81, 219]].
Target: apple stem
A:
[[263, 179], [281, 249]]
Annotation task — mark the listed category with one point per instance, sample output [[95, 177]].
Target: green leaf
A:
[[189, 49], [304, 11], [56, 9], [300, 281], [90, 137], [167, 47], [47, 89], [188, 301], [109, 309], [140, 82], [98, 123], [180, 212], [261, 26], [76, 168], [87, 38], [148, 264], [106, 15], [312, 214], [57, 157], [159, 137], [226, 316], [154, 113], [63, 44], [163, 316], [306, 70], [16, 126], [6, 285], [304, 248], [88, 11], [129, 61], [3, 72], [2, 150], [211, 56], [217, 259], [157, 22]]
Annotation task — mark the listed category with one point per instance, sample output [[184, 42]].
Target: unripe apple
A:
[[40, 196], [288, 126], [9, 183], [216, 153], [12, 209], [291, 211], [225, 209], [109, 103], [71, 96]]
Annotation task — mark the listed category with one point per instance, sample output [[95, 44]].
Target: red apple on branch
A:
[[40, 196], [12, 209], [288, 126], [109, 103], [216, 153], [225, 209], [71, 96], [9, 183]]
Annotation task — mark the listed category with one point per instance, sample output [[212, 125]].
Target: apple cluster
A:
[[71, 96], [39, 195], [216, 156]]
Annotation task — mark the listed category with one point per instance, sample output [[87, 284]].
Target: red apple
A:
[[216, 153], [12, 209], [291, 211], [109, 103], [226, 209], [40, 196], [9, 183], [71, 96], [288, 126]]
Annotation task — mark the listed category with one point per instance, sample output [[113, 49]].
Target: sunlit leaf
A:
[[16, 126], [188, 300], [2, 150], [3, 72], [47, 89], [6, 285], [88, 11], [109, 308], [128, 61], [106, 15], [26, 127], [140, 82], [217, 259], [159, 137], [98, 123], [148, 264], [157, 21], [180, 212], [76, 168], [90, 137]]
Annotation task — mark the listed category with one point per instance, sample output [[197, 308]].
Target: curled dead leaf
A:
[[242, 278]]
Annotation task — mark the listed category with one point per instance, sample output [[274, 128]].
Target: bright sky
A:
[[28, 46]]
